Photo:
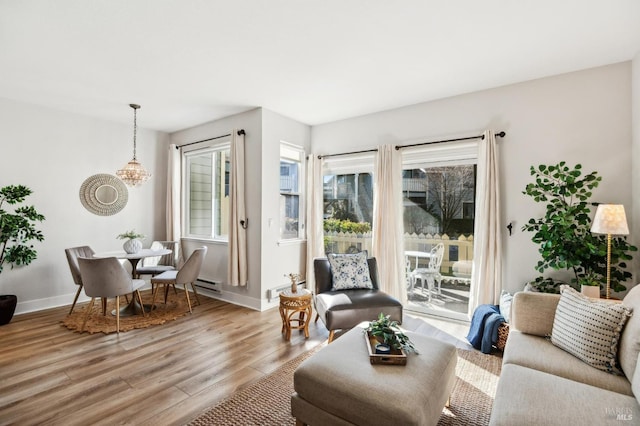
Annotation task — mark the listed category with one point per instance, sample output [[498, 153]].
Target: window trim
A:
[[191, 151], [302, 229]]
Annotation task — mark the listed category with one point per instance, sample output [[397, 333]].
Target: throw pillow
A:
[[505, 305], [350, 271], [589, 329]]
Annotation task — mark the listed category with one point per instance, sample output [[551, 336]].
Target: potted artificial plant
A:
[[564, 232], [590, 284], [133, 243], [388, 334], [17, 229]]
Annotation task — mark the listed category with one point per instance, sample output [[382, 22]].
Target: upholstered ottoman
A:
[[339, 386]]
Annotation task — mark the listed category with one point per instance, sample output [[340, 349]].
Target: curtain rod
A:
[[499, 134], [240, 132], [347, 153]]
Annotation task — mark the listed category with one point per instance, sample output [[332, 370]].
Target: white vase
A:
[[132, 246], [592, 291]]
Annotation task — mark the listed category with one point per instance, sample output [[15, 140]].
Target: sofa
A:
[[542, 384]]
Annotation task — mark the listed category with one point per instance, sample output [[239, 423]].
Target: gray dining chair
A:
[[73, 254], [157, 265], [187, 274], [106, 277]]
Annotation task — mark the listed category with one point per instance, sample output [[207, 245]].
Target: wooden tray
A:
[[397, 356]]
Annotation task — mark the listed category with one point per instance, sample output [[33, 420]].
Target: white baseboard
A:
[[54, 302], [67, 299]]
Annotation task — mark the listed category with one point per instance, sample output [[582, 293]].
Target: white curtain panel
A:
[[237, 264], [388, 243], [315, 207], [173, 194], [487, 252]]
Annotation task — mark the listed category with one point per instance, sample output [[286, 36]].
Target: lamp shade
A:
[[610, 219]]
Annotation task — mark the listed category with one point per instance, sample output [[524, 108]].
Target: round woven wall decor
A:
[[103, 194]]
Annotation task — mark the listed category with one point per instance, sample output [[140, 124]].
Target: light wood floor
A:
[[162, 375]]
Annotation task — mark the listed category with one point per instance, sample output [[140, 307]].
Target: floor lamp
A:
[[610, 220]]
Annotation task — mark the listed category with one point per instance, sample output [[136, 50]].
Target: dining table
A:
[[416, 256], [134, 308]]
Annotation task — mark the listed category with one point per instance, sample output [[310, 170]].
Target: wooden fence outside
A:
[[455, 249]]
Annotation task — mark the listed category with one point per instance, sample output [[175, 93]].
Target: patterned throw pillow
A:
[[589, 329], [506, 299], [350, 271]]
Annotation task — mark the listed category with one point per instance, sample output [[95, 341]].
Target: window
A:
[[348, 203], [291, 184], [206, 182]]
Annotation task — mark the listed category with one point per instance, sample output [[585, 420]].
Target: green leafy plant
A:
[[17, 227], [130, 235], [387, 332], [591, 278], [339, 225], [564, 232]]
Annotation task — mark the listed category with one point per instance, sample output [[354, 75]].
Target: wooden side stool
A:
[[292, 304]]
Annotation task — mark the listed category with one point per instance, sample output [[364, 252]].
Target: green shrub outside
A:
[[337, 225]]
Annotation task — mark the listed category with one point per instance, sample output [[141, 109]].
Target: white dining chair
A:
[[431, 273]]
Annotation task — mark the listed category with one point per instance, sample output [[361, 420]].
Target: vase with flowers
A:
[[133, 243], [294, 281]]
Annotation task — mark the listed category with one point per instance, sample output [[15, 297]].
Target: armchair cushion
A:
[[349, 271], [348, 308]]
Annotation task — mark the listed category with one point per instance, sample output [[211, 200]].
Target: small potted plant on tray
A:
[[133, 243], [389, 335]]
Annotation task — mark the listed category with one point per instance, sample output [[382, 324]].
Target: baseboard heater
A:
[[208, 285], [273, 293]]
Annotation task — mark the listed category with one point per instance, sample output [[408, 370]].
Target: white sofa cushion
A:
[[530, 397], [533, 313], [539, 354], [630, 339], [589, 329]]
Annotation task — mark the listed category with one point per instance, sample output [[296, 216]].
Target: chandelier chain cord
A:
[[135, 128]]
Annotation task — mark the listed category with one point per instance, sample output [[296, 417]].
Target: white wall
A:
[[215, 266], [278, 258], [582, 117], [53, 152], [267, 260]]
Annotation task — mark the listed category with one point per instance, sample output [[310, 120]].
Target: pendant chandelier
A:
[[133, 174]]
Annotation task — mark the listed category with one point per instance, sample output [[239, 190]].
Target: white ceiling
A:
[[192, 61]]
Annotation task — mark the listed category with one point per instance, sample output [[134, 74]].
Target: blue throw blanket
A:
[[483, 332]]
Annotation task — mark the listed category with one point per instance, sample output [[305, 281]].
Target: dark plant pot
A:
[[8, 304]]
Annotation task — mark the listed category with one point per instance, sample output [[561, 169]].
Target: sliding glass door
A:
[[438, 196]]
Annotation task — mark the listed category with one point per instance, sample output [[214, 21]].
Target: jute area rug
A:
[[268, 401], [97, 323]]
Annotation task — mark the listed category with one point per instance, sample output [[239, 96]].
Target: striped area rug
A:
[[267, 401]]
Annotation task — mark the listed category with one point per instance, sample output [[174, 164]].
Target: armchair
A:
[[344, 309]]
